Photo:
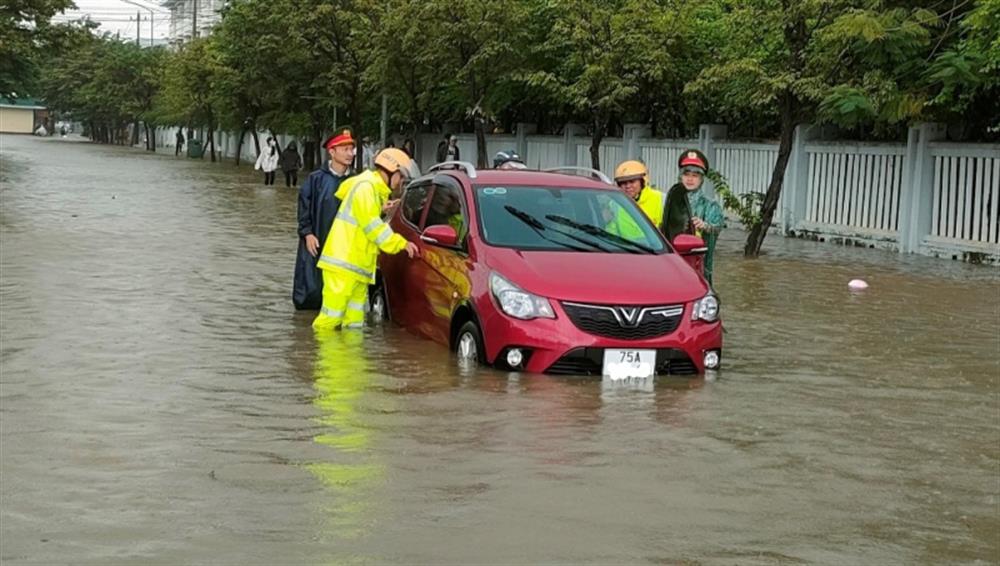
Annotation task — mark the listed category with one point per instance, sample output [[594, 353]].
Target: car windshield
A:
[[549, 218]]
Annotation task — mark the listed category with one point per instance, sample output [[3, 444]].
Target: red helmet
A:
[[693, 158]]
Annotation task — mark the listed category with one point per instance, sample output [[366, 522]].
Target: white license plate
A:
[[625, 364]]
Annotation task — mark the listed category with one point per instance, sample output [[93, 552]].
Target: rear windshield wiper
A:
[[539, 228], [623, 243]]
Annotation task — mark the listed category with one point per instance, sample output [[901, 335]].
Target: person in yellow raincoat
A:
[[632, 178], [358, 234]]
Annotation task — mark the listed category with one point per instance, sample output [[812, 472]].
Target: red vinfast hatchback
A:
[[531, 271]]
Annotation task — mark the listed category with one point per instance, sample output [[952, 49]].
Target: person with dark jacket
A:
[[317, 208], [178, 143], [447, 150], [291, 162]]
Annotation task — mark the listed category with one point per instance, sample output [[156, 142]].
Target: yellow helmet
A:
[[392, 160], [628, 170]]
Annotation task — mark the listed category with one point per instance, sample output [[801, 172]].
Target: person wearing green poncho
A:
[[706, 217]]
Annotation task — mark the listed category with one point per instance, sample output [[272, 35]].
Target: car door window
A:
[[447, 208], [413, 204]]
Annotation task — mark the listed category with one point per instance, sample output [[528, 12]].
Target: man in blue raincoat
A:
[[317, 207]]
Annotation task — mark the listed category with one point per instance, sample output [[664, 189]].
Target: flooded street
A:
[[162, 403]]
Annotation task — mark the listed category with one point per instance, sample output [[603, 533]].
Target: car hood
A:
[[601, 278]]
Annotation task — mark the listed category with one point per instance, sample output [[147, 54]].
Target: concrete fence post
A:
[[917, 191], [569, 143], [708, 136], [630, 139], [521, 132], [795, 186]]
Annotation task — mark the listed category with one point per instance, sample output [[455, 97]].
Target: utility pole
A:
[[384, 124], [137, 5], [138, 17], [194, 19]]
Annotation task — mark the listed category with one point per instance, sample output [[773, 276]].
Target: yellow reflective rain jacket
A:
[[652, 202], [358, 232]]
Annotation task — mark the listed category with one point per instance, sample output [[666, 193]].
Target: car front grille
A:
[[625, 322], [589, 361]]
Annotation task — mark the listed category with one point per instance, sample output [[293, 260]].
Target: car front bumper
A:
[[559, 346]]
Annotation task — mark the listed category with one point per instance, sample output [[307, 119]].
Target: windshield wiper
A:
[[623, 243], [538, 227]]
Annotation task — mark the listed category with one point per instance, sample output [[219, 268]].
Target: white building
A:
[[192, 17]]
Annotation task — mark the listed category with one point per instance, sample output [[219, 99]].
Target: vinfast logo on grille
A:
[[628, 317], [632, 317]]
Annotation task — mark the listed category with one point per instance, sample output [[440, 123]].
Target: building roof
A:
[[26, 103]]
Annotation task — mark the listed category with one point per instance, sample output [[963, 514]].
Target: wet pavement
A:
[[161, 403]]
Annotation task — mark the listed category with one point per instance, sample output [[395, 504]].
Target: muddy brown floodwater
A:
[[162, 403]]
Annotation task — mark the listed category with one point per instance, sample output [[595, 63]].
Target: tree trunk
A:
[[757, 234], [135, 132], [239, 146], [211, 141], [313, 157], [595, 143], [150, 137], [480, 143]]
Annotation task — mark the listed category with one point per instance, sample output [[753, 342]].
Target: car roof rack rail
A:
[[469, 168], [592, 172]]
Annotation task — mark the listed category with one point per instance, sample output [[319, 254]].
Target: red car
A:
[[532, 271]]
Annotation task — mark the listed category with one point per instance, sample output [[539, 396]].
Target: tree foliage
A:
[[24, 37], [763, 67]]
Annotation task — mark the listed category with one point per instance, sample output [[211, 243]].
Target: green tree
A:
[[811, 60], [407, 66], [601, 56], [23, 27], [962, 76], [484, 44], [189, 80]]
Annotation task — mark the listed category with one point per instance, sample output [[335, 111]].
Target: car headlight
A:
[[519, 303], [706, 308]]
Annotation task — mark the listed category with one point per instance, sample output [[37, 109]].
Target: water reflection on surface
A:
[[161, 403]]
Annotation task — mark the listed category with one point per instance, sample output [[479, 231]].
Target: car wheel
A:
[[379, 304], [469, 344]]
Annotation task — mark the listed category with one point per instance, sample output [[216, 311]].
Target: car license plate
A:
[[625, 364]]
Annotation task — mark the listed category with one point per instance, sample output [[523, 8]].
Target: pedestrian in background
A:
[[447, 150], [291, 162], [267, 161], [178, 143], [410, 148], [317, 208]]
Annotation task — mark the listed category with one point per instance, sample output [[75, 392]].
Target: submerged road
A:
[[162, 403]]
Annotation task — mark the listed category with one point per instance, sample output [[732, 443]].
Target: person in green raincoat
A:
[[707, 219]]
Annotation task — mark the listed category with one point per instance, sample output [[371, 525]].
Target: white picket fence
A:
[[544, 151], [748, 168], [874, 193], [856, 187], [966, 193]]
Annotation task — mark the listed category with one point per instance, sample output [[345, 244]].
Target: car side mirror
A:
[[440, 235], [686, 244]]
